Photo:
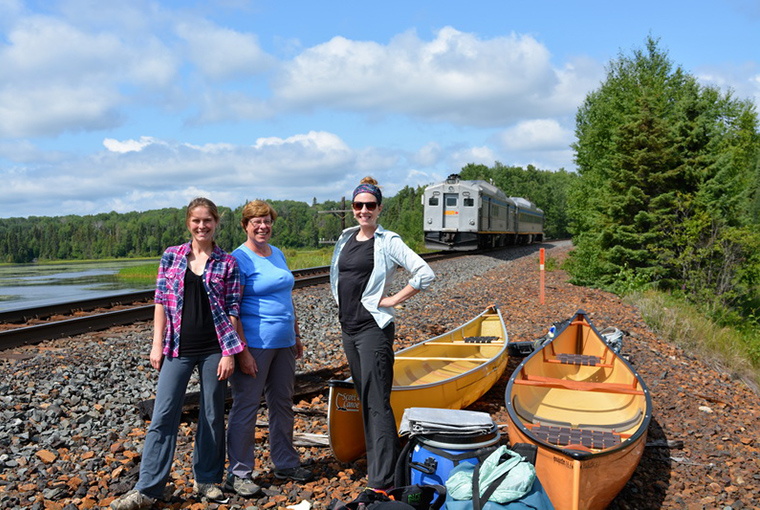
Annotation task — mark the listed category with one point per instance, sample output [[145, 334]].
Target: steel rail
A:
[[42, 312], [39, 333]]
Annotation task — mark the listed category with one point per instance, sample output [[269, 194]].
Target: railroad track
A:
[[59, 320]]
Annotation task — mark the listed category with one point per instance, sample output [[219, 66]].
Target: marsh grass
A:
[[143, 273], [735, 348], [302, 259]]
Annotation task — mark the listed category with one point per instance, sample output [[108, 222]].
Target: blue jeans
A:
[[161, 439]]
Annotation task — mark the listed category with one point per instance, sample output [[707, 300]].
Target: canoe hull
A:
[[587, 411], [582, 484], [443, 372]]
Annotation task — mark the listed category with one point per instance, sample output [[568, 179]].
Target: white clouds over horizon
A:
[[455, 77], [145, 104]]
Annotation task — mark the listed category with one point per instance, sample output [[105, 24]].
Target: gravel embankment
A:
[[71, 435]]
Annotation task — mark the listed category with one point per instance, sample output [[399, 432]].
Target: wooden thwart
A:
[[550, 382]]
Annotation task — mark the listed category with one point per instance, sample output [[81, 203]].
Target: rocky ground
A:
[[71, 434]]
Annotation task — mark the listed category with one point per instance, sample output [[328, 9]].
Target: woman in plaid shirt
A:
[[197, 308]]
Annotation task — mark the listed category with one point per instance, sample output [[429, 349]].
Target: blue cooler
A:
[[433, 456]]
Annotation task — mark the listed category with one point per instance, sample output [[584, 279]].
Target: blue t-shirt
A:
[[266, 309]]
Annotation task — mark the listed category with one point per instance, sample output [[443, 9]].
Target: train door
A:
[[451, 211]]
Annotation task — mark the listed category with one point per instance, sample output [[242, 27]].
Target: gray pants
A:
[[274, 379], [370, 358], [161, 438]]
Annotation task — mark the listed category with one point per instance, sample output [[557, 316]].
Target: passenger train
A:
[[467, 215]]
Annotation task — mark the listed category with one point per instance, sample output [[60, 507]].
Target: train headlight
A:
[[430, 220], [472, 222]]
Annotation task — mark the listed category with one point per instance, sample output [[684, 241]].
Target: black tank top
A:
[[357, 260], [197, 335]]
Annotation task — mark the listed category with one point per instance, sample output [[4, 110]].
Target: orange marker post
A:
[[541, 270]]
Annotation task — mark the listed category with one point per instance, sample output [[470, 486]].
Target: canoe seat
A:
[[480, 339], [563, 436], [587, 360], [578, 359]]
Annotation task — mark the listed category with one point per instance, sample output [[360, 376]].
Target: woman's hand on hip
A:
[[226, 367]]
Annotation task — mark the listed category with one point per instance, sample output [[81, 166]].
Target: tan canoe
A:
[[450, 371], [588, 412]]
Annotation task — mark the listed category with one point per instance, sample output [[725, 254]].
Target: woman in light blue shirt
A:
[[361, 273], [267, 366]]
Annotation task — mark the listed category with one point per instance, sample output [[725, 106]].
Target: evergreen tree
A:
[[664, 195]]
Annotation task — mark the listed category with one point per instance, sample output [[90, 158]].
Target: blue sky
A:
[[137, 105]]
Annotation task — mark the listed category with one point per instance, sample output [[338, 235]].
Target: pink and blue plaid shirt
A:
[[221, 278]]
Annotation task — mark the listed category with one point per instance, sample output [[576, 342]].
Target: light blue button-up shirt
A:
[[390, 253]]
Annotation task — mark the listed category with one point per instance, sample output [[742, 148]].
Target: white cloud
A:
[[456, 77], [65, 79], [128, 145], [428, 155], [478, 155], [221, 53], [538, 134], [147, 173], [743, 80], [321, 140]]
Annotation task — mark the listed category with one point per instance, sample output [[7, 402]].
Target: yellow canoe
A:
[[588, 412], [450, 371]]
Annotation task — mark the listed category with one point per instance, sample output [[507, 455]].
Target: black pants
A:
[[370, 358]]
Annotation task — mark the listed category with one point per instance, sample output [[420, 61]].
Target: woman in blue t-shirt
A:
[[270, 328]]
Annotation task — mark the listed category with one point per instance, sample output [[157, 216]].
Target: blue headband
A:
[[371, 189]]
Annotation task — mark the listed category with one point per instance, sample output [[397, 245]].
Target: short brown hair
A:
[[257, 209]]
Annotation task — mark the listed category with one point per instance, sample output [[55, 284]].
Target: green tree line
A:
[[299, 225], [668, 188]]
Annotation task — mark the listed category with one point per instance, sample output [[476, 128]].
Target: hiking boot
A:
[[297, 473], [244, 487], [132, 500], [210, 491]]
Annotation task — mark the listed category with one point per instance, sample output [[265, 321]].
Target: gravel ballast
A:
[[71, 435]]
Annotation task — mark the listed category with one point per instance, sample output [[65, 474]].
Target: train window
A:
[[469, 202], [433, 201], [451, 201]]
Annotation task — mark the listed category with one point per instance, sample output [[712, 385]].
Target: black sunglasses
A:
[[371, 206]]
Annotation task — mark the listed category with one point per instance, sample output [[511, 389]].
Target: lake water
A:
[[30, 285]]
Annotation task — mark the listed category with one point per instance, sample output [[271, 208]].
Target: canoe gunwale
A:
[[484, 363], [579, 455]]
